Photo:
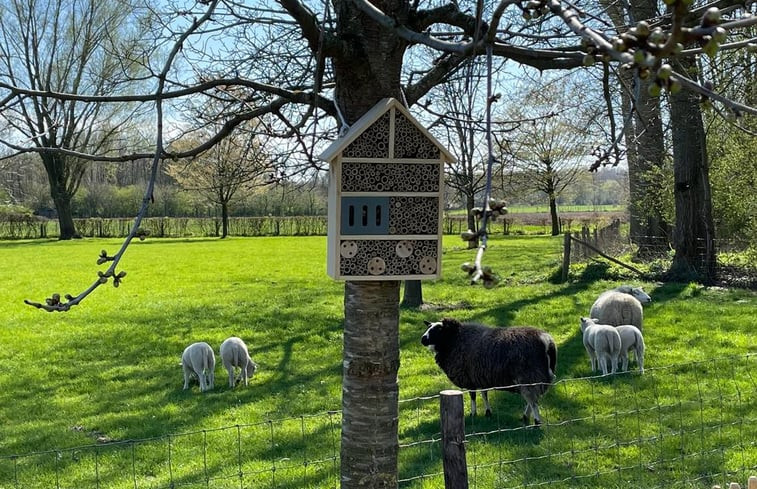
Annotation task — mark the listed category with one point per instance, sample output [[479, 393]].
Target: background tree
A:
[[644, 136], [238, 162], [82, 47], [549, 149], [460, 122]]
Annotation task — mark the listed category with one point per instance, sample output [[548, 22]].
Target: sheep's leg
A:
[[472, 403], [244, 372], [624, 361], [485, 395], [532, 406], [614, 362], [230, 370], [201, 379], [603, 363], [187, 375], [211, 378], [640, 359]]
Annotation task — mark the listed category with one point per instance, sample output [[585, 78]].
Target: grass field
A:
[[106, 374]]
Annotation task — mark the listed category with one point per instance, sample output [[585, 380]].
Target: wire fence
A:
[[688, 425]]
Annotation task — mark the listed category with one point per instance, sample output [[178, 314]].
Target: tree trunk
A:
[[693, 239], [553, 215], [59, 175], [368, 72], [224, 219], [370, 391], [643, 136], [412, 296]]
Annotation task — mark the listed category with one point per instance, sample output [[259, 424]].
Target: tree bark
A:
[[370, 391], [224, 219], [412, 295], [693, 239], [64, 181], [553, 215]]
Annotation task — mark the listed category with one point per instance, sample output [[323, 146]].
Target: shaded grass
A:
[[108, 370]]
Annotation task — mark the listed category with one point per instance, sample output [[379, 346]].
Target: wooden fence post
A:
[[453, 440], [566, 257], [752, 484]]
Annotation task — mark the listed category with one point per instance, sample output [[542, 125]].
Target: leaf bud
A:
[[664, 72], [719, 35], [654, 90], [711, 17], [656, 36], [642, 29], [589, 60], [751, 47], [468, 235]]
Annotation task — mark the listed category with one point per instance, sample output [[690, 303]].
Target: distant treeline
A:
[[35, 227]]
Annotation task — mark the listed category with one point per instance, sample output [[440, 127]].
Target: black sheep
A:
[[476, 357]]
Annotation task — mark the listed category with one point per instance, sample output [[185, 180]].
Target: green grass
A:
[[108, 370]]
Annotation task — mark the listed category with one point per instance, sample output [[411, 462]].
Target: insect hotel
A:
[[385, 198]]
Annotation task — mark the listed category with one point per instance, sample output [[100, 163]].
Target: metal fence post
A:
[[453, 440]]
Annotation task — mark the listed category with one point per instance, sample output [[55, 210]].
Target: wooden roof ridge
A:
[[368, 119]]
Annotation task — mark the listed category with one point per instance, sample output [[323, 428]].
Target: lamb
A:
[[602, 343], [622, 305], [234, 354], [631, 338], [477, 357], [198, 359]]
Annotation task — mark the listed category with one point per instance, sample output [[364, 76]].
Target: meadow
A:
[[93, 397]]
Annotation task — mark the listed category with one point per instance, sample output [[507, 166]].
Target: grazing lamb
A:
[[602, 343], [621, 305], [198, 359], [234, 354], [477, 357], [631, 338]]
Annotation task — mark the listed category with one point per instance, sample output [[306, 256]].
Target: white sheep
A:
[[234, 354], [631, 338], [198, 359], [602, 343], [622, 305]]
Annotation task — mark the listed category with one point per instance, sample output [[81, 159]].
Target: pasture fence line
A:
[[687, 425], [36, 227], [33, 227]]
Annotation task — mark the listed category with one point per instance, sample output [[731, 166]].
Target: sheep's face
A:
[[640, 295], [439, 333], [252, 367]]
